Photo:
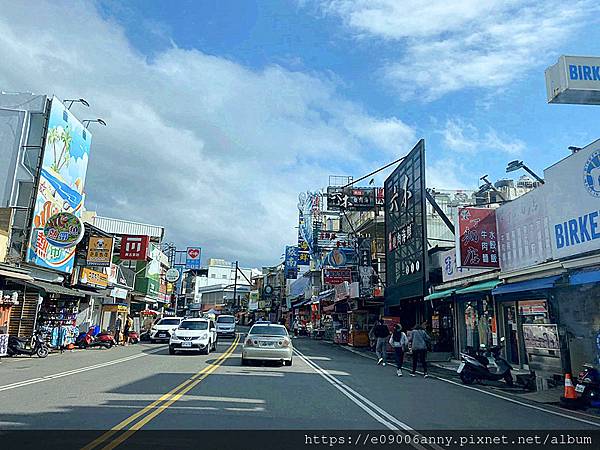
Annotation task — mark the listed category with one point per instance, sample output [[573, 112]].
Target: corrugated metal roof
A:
[[119, 226]]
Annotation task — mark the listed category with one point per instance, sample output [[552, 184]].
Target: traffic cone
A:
[[569, 389]]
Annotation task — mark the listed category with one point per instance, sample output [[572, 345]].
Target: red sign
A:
[[477, 238], [193, 253], [337, 276], [134, 248]]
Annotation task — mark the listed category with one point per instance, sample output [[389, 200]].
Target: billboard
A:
[[337, 276], [93, 278], [99, 251], [477, 238], [291, 262], [405, 229], [192, 257], [575, 80], [303, 247], [134, 248], [60, 186], [351, 198]]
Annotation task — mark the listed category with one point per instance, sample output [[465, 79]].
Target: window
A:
[[168, 322], [224, 276], [193, 325], [268, 330], [212, 275], [225, 319]]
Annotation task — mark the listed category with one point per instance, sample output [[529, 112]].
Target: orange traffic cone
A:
[[569, 389]]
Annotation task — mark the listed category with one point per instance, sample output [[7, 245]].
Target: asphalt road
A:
[[143, 387]]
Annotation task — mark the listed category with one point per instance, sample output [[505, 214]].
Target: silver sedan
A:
[[267, 342]]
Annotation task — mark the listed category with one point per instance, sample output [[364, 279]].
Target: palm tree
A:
[[53, 136], [66, 139]]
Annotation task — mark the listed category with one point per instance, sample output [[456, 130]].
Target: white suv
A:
[[194, 335], [162, 330]]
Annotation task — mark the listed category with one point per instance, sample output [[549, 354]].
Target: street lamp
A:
[[100, 121], [574, 149], [489, 186], [516, 165], [83, 101]]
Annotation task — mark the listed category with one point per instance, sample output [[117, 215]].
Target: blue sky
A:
[[220, 112]]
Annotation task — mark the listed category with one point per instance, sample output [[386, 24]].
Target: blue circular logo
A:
[[591, 174]]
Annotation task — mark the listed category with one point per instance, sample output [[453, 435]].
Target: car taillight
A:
[[249, 343], [285, 343]]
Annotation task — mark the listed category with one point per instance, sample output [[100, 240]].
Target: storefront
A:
[[110, 313], [441, 311]]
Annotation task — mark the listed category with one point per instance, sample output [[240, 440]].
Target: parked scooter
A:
[[487, 365], [88, 340], [34, 346], [588, 388], [107, 338], [134, 338]]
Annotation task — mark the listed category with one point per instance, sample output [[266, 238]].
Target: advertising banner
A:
[[573, 202], [134, 248], [93, 278], [337, 276], [61, 184], [524, 232], [192, 258], [477, 238], [451, 271], [340, 257], [351, 199], [541, 336], [405, 229], [99, 252], [303, 247]]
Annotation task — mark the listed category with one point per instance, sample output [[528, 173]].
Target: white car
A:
[[194, 335], [162, 330], [226, 326], [267, 342]]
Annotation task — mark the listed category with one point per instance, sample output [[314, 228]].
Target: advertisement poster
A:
[[337, 276], [477, 238], [99, 252], [60, 189], [134, 248], [93, 278], [541, 336], [192, 258], [406, 229]]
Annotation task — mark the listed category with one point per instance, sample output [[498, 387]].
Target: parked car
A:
[[194, 335], [163, 328], [267, 342], [226, 326]]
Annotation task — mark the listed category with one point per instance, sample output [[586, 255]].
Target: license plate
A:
[[580, 388], [186, 344], [460, 368], [162, 334], [266, 344]]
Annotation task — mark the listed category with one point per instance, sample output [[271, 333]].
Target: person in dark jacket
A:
[[382, 334], [399, 343], [419, 341]]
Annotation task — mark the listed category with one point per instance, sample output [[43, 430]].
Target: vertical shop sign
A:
[[99, 252], [134, 248], [291, 262], [303, 248], [405, 229], [192, 258], [60, 186], [477, 238]]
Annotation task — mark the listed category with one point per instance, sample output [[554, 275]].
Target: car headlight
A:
[[153, 329], [203, 336]]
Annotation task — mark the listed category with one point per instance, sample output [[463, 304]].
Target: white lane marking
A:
[[502, 397], [74, 371], [369, 407], [255, 409]]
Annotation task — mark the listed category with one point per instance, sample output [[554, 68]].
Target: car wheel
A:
[[244, 362], [467, 377], [171, 350]]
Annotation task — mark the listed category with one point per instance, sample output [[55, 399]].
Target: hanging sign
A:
[[99, 251], [172, 275], [477, 238], [192, 259], [63, 230]]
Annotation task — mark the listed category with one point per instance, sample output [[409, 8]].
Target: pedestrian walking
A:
[[382, 333], [127, 329], [419, 342], [399, 343], [296, 327], [118, 324]]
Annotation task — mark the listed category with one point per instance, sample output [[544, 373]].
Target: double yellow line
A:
[[158, 406]]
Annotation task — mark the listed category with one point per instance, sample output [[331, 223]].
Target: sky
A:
[[220, 112]]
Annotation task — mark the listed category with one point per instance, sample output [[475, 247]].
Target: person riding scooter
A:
[[34, 346], [496, 368]]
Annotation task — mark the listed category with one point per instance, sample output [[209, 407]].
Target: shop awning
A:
[[15, 275], [529, 285], [440, 294], [478, 287], [584, 277], [51, 288], [302, 303]]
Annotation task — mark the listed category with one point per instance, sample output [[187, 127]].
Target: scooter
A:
[[106, 338], [34, 346], [87, 340], [496, 368], [134, 338], [588, 388]]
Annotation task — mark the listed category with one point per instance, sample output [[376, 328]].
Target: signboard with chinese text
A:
[[134, 248], [340, 257], [406, 231], [99, 252], [303, 247], [350, 199], [93, 278], [192, 257], [337, 276], [477, 238], [61, 184], [291, 262], [451, 271]]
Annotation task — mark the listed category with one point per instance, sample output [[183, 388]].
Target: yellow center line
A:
[[190, 383]]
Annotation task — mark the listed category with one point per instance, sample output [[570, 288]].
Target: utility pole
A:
[[235, 284]]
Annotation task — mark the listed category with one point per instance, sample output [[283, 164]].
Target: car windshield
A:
[[193, 325], [225, 320], [268, 330], [168, 322]]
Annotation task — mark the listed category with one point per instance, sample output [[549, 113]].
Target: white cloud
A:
[[462, 137], [214, 151], [465, 43]]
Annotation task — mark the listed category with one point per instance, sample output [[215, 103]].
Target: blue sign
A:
[[581, 72], [291, 262], [192, 258], [591, 174]]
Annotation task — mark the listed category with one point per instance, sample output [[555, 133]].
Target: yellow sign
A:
[[99, 251], [93, 278]]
